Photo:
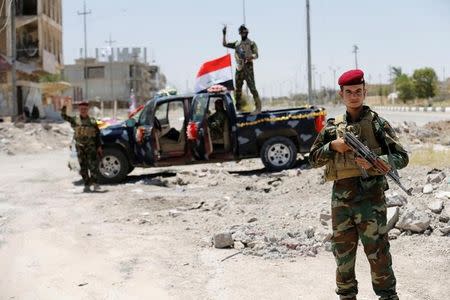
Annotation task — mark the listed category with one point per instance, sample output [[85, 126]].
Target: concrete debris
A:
[[413, 220], [238, 245], [435, 176], [310, 231], [444, 217], [393, 214], [445, 230], [442, 195], [288, 244], [427, 189], [436, 205], [223, 240], [394, 233], [396, 199]]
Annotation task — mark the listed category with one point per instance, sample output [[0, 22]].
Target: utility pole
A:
[[18, 107], [110, 42], [84, 13], [355, 50], [243, 11], [308, 37]]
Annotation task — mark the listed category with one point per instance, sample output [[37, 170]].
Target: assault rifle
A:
[[363, 151], [241, 53]]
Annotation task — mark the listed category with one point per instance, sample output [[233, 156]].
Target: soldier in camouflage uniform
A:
[[217, 121], [245, 52], [358, 204], [88, 145]]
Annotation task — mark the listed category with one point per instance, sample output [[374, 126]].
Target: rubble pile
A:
[[428, 211], [28, 138], [252, 239], [432, 133]]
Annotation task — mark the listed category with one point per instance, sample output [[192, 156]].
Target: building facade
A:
[[114, 74], [39, 54]]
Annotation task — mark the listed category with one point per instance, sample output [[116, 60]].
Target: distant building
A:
[[39, 55], [113, 74]]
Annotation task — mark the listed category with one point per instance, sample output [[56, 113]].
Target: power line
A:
[[111, 56], [355, 50], [308, 38], [84, 13]]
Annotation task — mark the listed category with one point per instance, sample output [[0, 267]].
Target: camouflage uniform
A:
[[359, 211], [87, 138], [216, 123], [245, 49]]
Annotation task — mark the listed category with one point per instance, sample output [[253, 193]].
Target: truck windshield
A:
[[199, 107]]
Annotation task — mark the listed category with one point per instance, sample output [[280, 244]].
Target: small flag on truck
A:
[[217, 71]]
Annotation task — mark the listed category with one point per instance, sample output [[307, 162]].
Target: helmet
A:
[[242, 28]]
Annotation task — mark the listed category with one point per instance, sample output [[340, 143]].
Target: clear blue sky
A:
[[183, 34]]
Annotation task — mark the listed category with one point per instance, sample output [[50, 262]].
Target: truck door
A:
[[147, 147], [198, 132]]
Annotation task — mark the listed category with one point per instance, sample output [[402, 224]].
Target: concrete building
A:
[[39, 56], [113, 74]]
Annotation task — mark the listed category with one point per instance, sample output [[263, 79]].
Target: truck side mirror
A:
[[130, 123]]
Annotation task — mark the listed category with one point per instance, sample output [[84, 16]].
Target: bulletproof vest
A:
[[343, 165], [243, 51], [85, 130]]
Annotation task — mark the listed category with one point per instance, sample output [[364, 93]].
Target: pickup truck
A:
[[174, 130]]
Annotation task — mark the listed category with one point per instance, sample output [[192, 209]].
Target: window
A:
[[176, 115], [96, 72], [161, 112], [199, 107]]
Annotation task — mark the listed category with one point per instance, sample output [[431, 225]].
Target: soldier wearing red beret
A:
[[358, 206]]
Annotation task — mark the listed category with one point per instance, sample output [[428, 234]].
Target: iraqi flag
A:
[[217, 71]]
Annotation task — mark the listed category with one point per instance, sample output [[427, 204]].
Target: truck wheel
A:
[[278, 153], [113, 167]]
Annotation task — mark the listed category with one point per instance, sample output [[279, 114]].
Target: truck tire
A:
[[278, 153], [113, 167]]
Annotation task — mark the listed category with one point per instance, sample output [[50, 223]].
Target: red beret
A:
[[351, 77], [83, 103]]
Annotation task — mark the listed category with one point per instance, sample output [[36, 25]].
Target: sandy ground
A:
[[148, 238]]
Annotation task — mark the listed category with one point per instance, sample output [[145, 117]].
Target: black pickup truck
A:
[[174, 130]]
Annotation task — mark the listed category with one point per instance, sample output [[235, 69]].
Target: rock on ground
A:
[[413, 220], [223, 240]]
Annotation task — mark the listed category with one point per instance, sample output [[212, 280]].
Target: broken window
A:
[[96, 72], [26, 7]]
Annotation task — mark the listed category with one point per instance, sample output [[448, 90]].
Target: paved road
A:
[[421, 118]]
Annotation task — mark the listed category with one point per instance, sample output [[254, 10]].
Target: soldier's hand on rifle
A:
[[339, 145], [224, 30], [363, 163]]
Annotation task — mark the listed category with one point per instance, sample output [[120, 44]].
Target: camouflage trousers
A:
[[87, 157], [246, 74], [359, 212]]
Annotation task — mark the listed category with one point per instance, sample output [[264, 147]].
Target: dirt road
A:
[[147, 239]]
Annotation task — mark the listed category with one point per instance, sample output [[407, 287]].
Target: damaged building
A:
[[39, 57], [113, 75]]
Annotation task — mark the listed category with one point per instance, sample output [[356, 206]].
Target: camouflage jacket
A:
[[246, 49], [321, 153], [86, 129]]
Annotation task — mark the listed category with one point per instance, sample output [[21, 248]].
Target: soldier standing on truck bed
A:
[[88, 145], [245, 52], [358, 205]]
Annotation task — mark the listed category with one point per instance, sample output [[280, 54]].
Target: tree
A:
[[397, 72], [425, 82], [405, 87]]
